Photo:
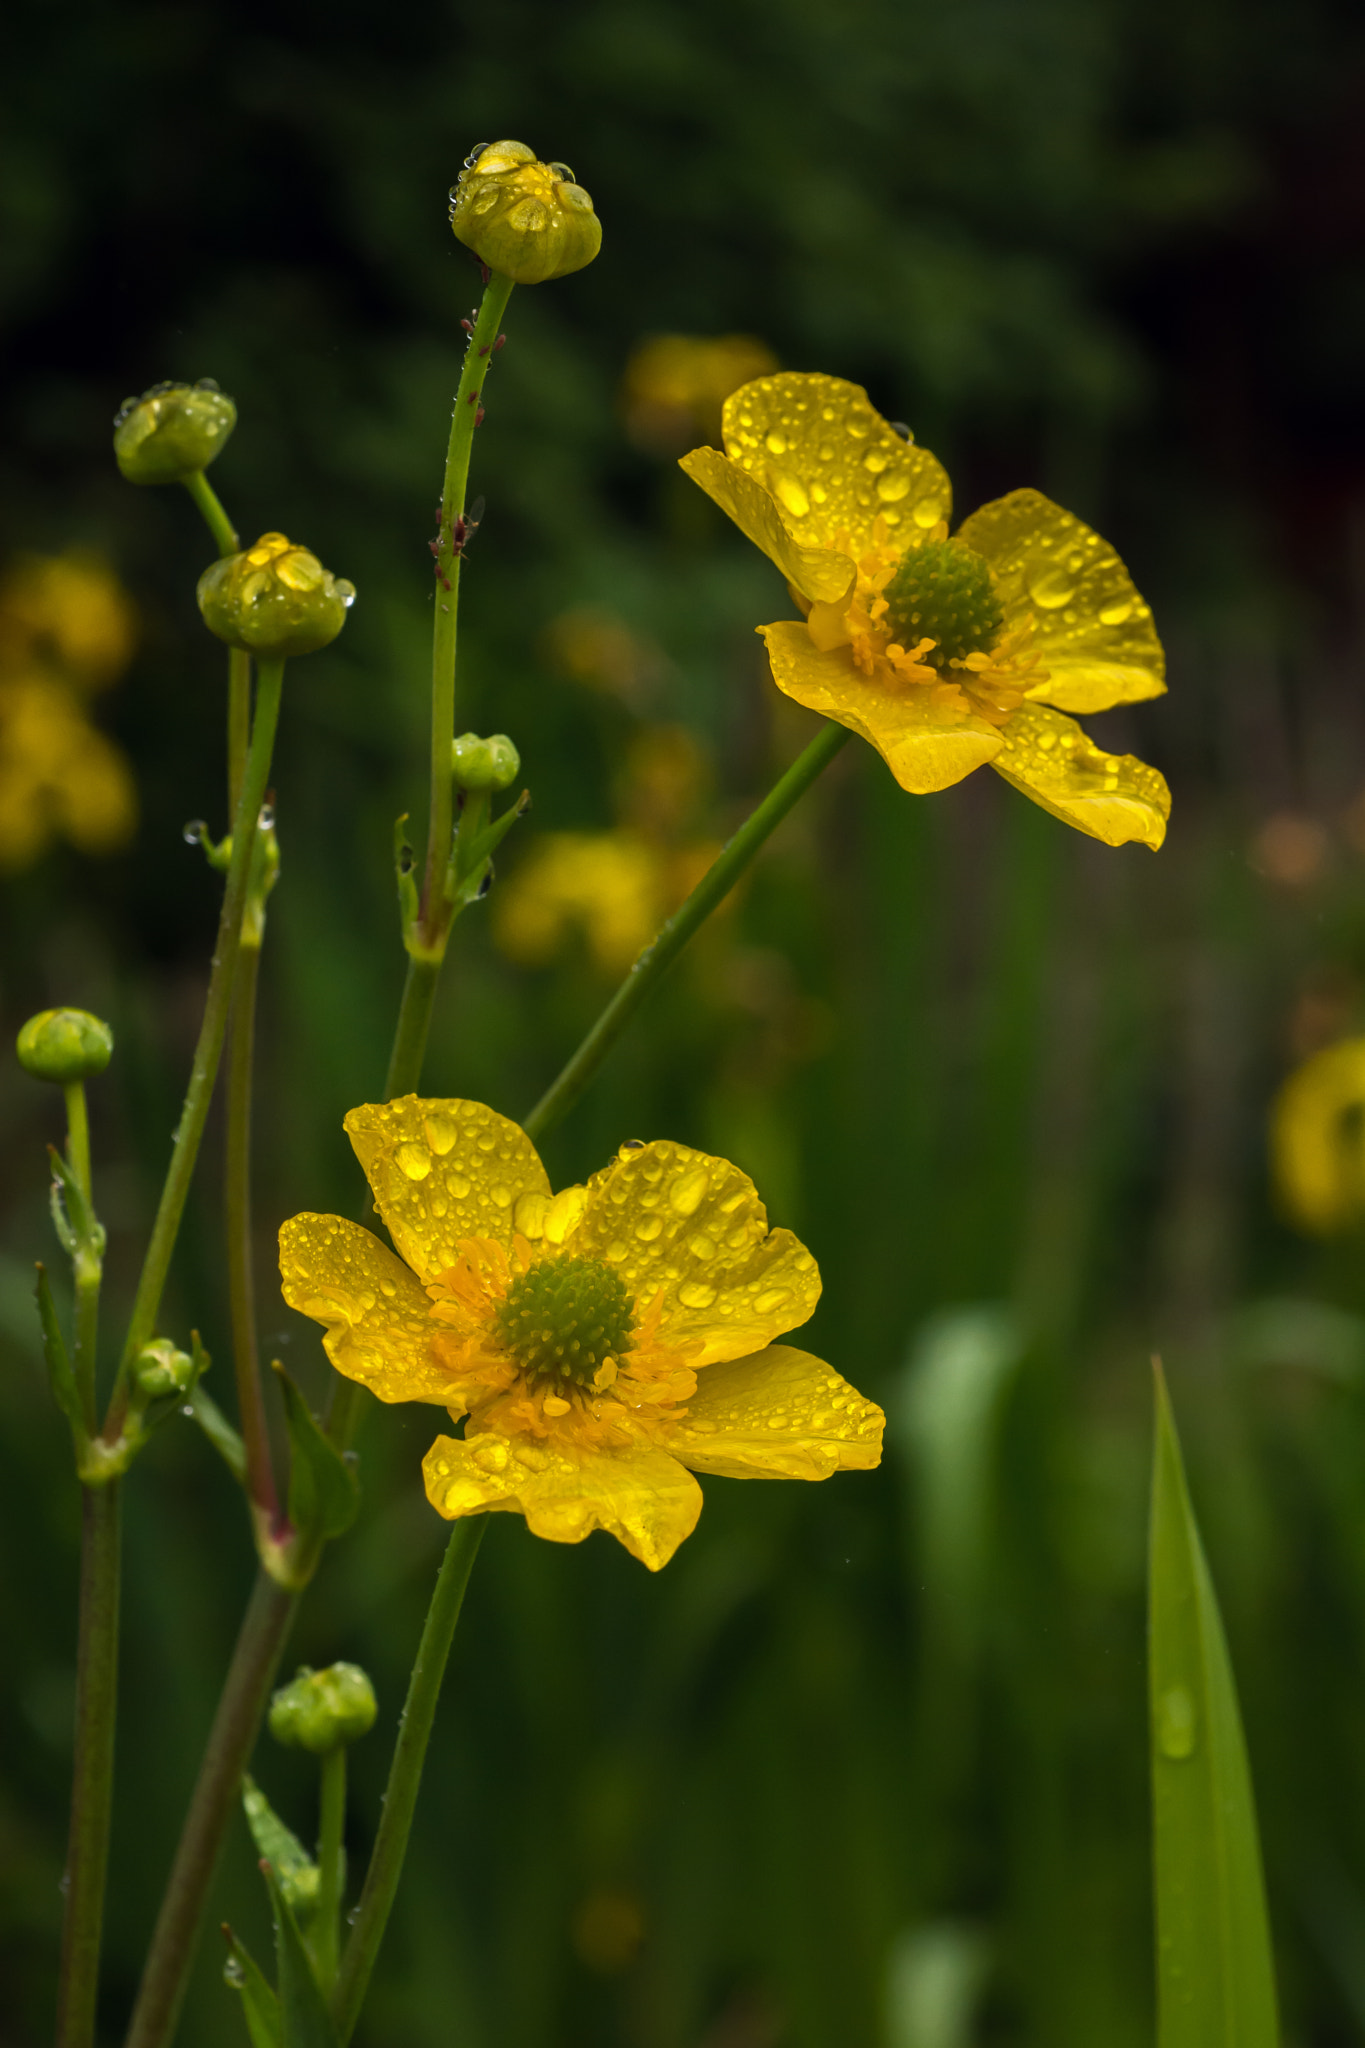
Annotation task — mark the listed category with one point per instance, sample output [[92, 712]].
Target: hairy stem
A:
[[714, 886], [92, 1782], [246, 1690], [405, 1774]]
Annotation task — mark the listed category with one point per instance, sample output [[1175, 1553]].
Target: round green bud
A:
[[323, 1710], [479, 765], [64, 1046], [172, 431], [274, 599], [161, 1369], [523, 218], [944, 591]]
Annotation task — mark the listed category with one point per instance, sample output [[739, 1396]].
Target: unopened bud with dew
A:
[[479, 765], [523, 218], [323, 1710], [64, 1046], [172, 431], [274, 599], [162, 1369]]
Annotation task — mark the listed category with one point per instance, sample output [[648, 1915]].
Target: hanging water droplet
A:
[[195, 833]]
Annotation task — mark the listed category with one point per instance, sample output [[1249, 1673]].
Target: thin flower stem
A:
[[92, 1783], [414, 1022], [209, 1049], [659, 955], [215, 518], [87, 1261], [331, 1865], [260, 1477], [405, 1774], [449, 555], [246, 1690], [78, 1134], [238, 722]]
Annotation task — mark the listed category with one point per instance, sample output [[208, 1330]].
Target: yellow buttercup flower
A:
[[605, 1343], [1317, 1140], [945, 653]]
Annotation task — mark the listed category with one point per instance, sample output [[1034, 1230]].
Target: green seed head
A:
[[565, 1318], [942, 591]]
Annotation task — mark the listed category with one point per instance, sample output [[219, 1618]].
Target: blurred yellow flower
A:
[[604, 1343], [613, 889], [944, 653], [675, 385], [66, 631], [1317, 1140]]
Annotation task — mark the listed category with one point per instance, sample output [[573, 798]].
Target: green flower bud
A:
[[64, 1046], [172, 431], [479, 765], [523, 218], [162, 1370], [274, 599], [322, 1710]]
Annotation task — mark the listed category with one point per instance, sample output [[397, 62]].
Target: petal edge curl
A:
[[821, 572], [826, 1425], [1113, 797], [375, 1313], [443, 1170]]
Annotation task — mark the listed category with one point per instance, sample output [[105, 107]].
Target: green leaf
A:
[[220, 1433], [60, 1376], [264, 2021], [293, 1866], [1215, 1974], [307, 2022], [324, 1493]]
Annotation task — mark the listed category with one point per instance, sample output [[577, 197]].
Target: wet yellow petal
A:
[[566, 1489], [1091, 630], [1317, 1137], [1113, 797], [443, 1170], [832, 462], [668, 1218], [375, 1312], [778, 1415], [924, 746], [819, 571]]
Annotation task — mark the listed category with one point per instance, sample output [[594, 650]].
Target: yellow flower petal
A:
[[566, 1489], [925, 747], [778, 1415], [1113, 797], [820, 572], [1317, 1138], [668, 1218], [1091, 630], [377, 1314], [832, 462], [442, 1171]]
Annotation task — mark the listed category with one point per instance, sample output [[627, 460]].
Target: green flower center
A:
[[564, 1318], [942, 591]]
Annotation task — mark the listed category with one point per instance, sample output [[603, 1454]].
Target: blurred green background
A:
[[866, 1764]]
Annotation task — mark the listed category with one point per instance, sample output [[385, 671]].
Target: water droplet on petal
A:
[[686, 1195], [1114, 614], [490, 1455], [414, 1161], [790, 493], [696, 1294], [893, 486], [440, 1133], [771, 1298], [776, 443], [928, 512], [1052, 587], [701, 1246]]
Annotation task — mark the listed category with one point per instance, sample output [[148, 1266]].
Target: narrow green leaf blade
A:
[[324, 1493], [60, 1376], [1215, 1973], [298, 1874], [264, 2022], [307, 2022]]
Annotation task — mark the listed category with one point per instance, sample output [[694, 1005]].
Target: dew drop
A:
[[928, 512], [1114, 614], [876, 460], [490, 1456], [770, 1299], [1176, 1732], [440, 1134], [893, 486], [686, 1195], [414, 1161], [696, 1294], [648, 1228], [776, 444], [1052, 587], [791, 493], [701, 1246]]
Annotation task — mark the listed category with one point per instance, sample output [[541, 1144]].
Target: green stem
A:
[[215, 518], [414, 1022], [209, 1049], [238, 722], [87, 1262], [331, 1866], [78, 1135], [714, 886], [405, 1774], [231, 1739], [237, 1205], [478, 356], [92, 1783]]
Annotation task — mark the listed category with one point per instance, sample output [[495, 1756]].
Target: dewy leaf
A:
[[324, 1493], [1215, 1975], [264, 2021], [282, 1849], [307, 2022]]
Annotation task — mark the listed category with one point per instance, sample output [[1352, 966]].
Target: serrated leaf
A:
[[293, 1866], [244, 1975], [1215, 1971], [307, 2022], [324, 1493]]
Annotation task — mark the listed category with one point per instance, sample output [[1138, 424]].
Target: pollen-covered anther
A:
[[566, 1320], [943, 591]]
